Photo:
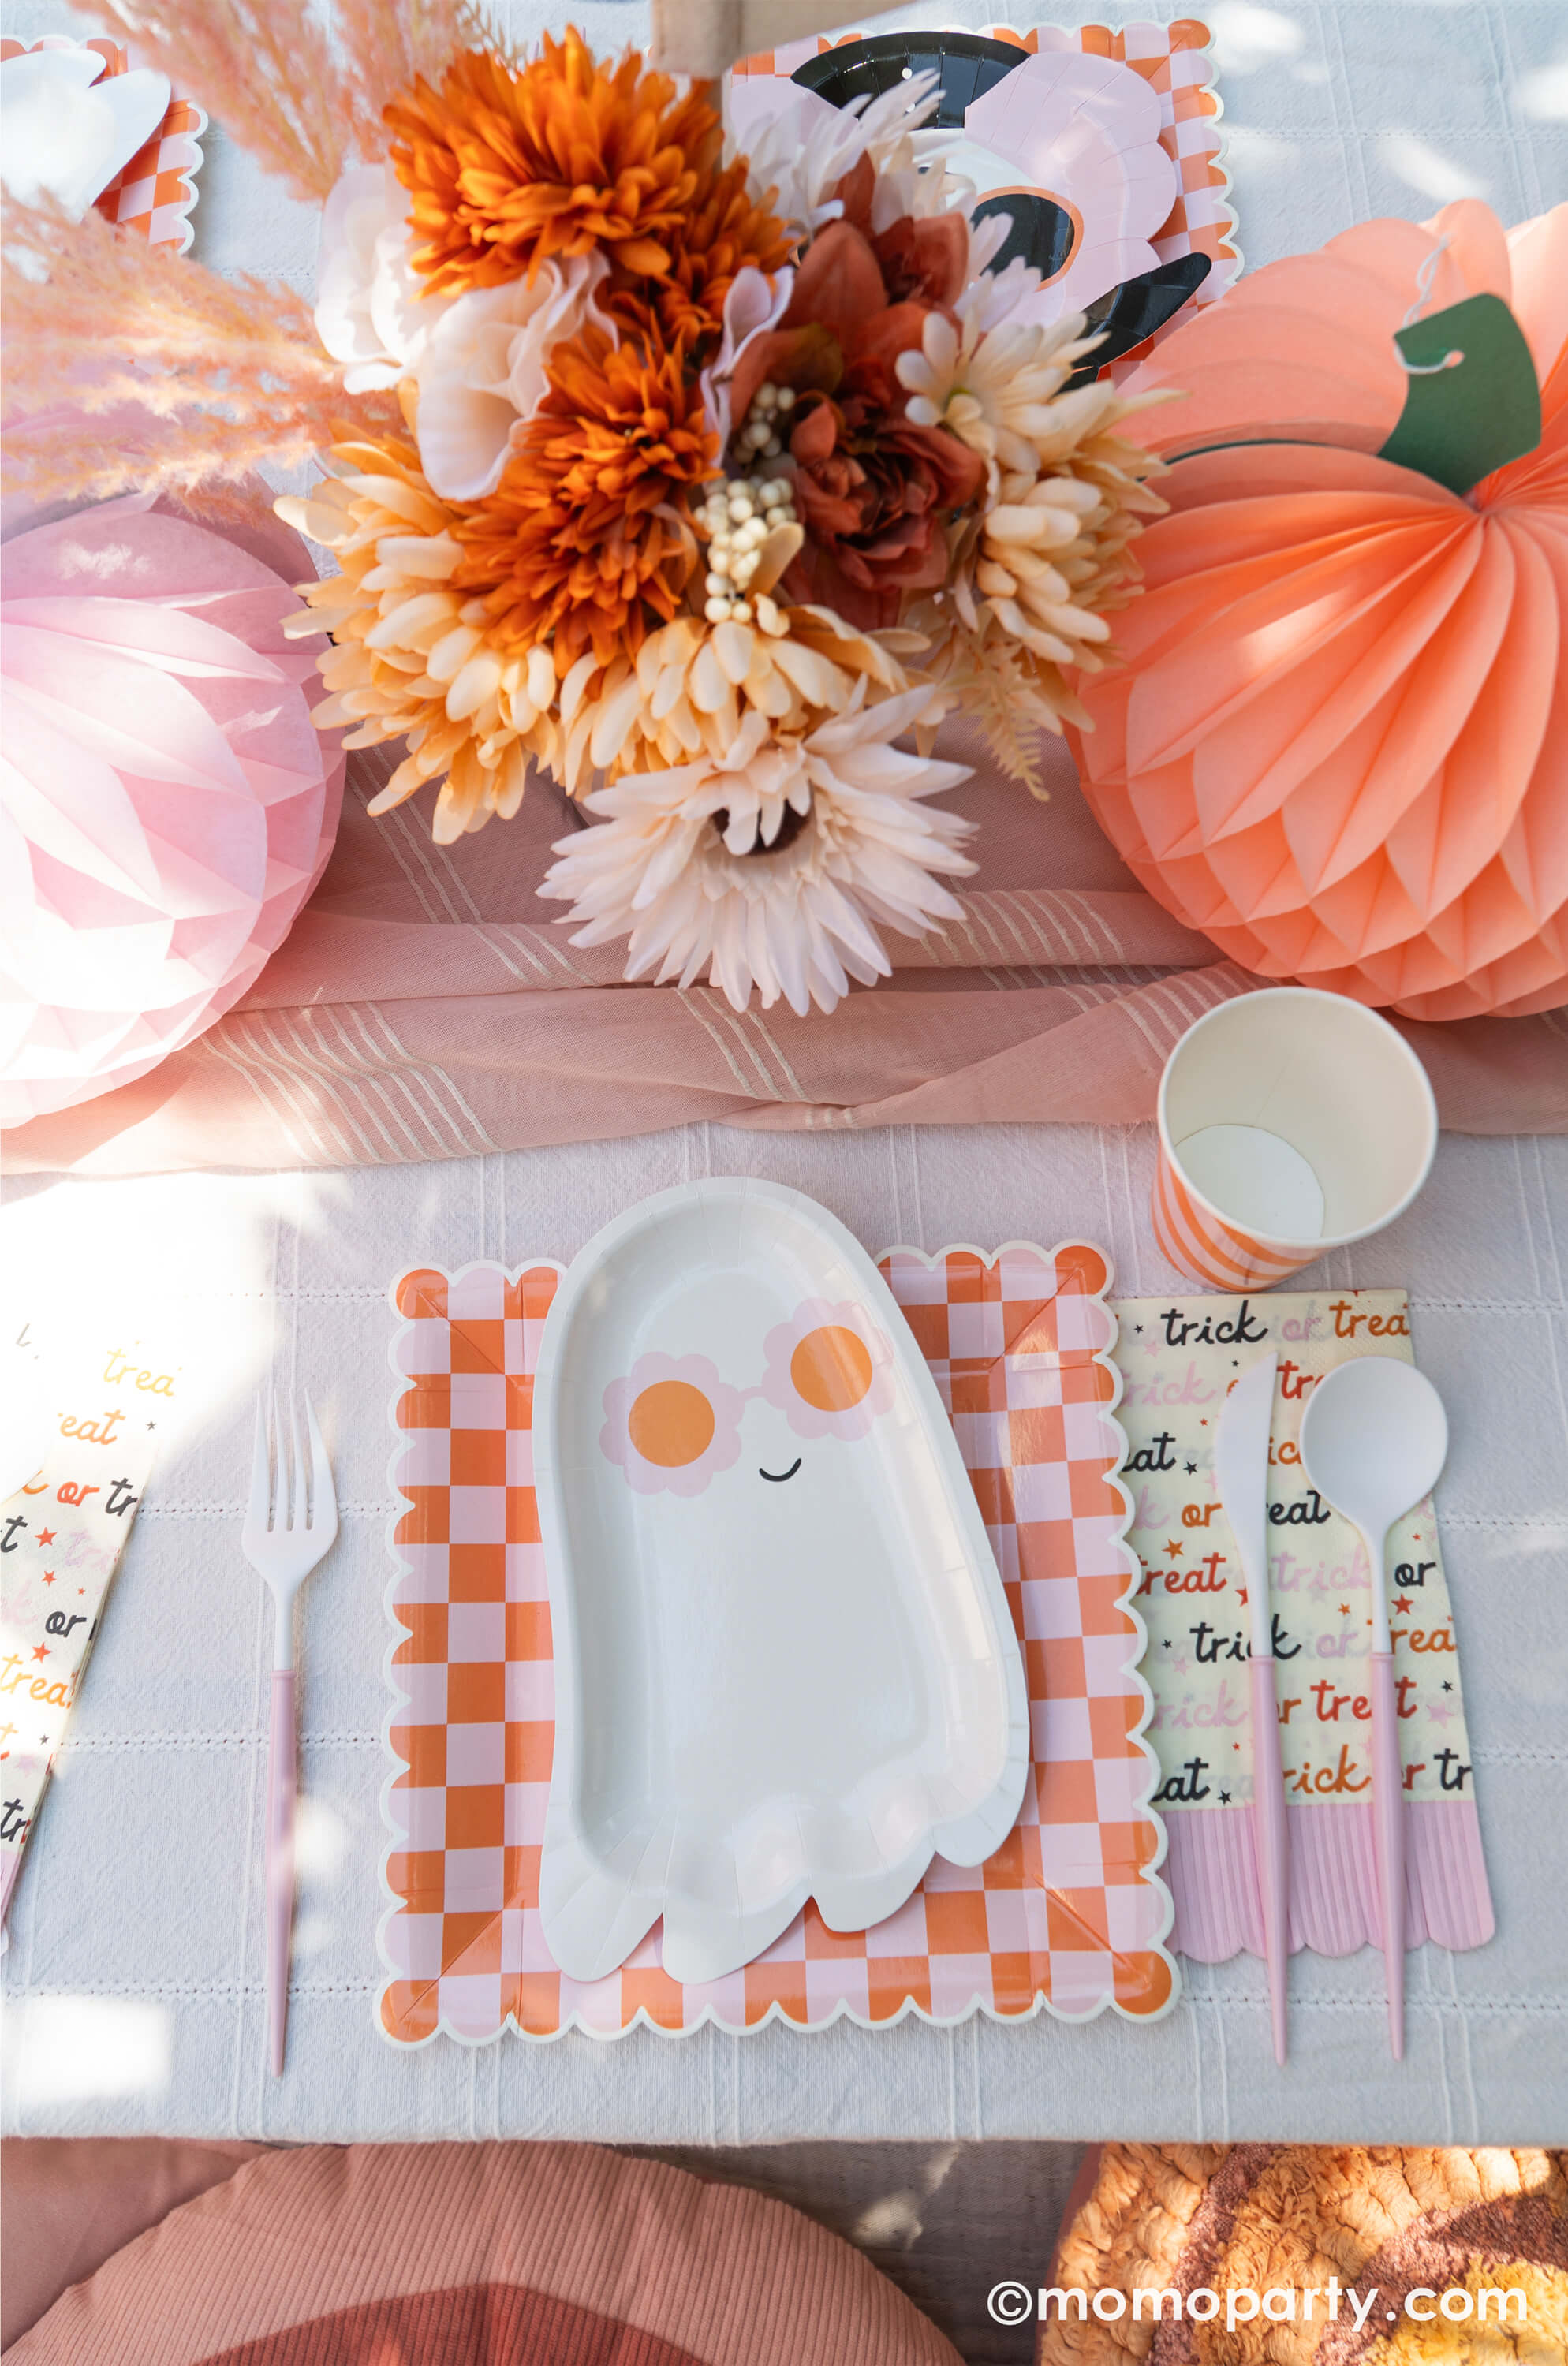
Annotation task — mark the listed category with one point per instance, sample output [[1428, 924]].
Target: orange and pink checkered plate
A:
[[1069, 1915], [152, 194]]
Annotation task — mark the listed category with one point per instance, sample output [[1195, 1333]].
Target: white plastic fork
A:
[[290, 1526]]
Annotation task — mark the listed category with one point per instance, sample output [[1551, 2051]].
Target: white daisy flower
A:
[[772, 869]]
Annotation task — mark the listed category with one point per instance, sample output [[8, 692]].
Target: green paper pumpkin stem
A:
[[1461, 422]]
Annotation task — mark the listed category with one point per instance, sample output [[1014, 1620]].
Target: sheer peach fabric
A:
[[427, 1004]]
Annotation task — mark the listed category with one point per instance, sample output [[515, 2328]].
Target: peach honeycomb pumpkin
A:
[[1337, 740]]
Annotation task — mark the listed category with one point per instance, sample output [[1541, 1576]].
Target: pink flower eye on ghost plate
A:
[[829, 1369], [672, 1424]]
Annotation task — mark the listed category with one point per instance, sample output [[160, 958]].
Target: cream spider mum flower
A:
[[798, 156], [771, 868], [993, 385], [910, 161], [1036, 552], [1034, 575], [696, 678], [1052, 553], [1031, 582], [408, 656], [697, 683]]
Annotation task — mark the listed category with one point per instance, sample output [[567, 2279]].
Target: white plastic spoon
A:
[[1374, 1437]]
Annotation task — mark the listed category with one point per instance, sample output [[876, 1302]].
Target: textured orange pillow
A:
[[1286, 2218], [481, 2255]]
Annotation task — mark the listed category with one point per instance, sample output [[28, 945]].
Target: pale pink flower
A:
[[772, 867], [481, 370], [829, 1369], [672, 1424], [371, 313]]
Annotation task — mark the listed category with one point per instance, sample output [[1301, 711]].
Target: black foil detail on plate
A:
[[1042, 233], [1128, 314], [969, 63]]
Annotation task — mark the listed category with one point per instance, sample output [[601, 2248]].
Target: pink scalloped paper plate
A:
[[155, 192], [1069, 1915]]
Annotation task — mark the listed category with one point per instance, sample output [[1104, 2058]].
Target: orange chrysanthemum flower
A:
[[585, 535], [508, 167], [724, 231]]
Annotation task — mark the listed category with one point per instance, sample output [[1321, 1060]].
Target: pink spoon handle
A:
[[281, 1784], [1271, 1843], [1388, 1840]]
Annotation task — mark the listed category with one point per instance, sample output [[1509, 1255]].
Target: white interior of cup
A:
[[1299, 1116]]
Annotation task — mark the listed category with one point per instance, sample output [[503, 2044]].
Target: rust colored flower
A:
[[924, 257], [874, 493], [874, 490], [507, 167], [586, 535]]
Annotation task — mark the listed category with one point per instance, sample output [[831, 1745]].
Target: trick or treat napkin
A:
[[1177, 1357], [80, 1430]]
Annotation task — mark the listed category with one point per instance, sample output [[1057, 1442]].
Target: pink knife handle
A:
[[1388, 1840], [281, 1784], [1271, 1843]]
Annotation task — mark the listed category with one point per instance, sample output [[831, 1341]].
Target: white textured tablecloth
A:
[[133, 1984], [134, 1981]]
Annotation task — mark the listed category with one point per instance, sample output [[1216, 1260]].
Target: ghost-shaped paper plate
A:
[[785, 1664]]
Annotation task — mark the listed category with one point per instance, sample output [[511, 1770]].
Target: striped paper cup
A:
[[1291, 1123]]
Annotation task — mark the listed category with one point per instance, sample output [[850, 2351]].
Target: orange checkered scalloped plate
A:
[[1176, 62], [154, 192], [1068, 1916]]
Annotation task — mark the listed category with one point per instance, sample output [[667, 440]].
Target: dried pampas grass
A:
[[205, 377], [301, 86]]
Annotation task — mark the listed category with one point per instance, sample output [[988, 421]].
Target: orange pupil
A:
[[671, 1424], [831, 1369]]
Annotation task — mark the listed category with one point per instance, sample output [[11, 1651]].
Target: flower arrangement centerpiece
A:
[[707, 481]]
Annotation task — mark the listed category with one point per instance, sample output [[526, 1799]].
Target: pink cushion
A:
[[487, 2255], [66, 2206]]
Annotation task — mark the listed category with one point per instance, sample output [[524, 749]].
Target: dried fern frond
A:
[[1014, 696], [205, 377], [265, 68]]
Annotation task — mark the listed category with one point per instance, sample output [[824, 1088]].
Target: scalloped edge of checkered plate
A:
[[1159, 1899]]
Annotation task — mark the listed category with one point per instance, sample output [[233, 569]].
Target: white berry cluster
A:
[[760, 435], [738, 517]]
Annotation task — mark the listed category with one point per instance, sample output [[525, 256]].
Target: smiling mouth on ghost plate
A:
[[778, 1476]]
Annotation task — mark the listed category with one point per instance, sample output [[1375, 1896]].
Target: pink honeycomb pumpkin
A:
[[1337, 741], [168, 804]]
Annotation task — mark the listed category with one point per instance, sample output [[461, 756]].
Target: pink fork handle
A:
[[281, 1784], [1271, 1843], [1388, 1840]]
